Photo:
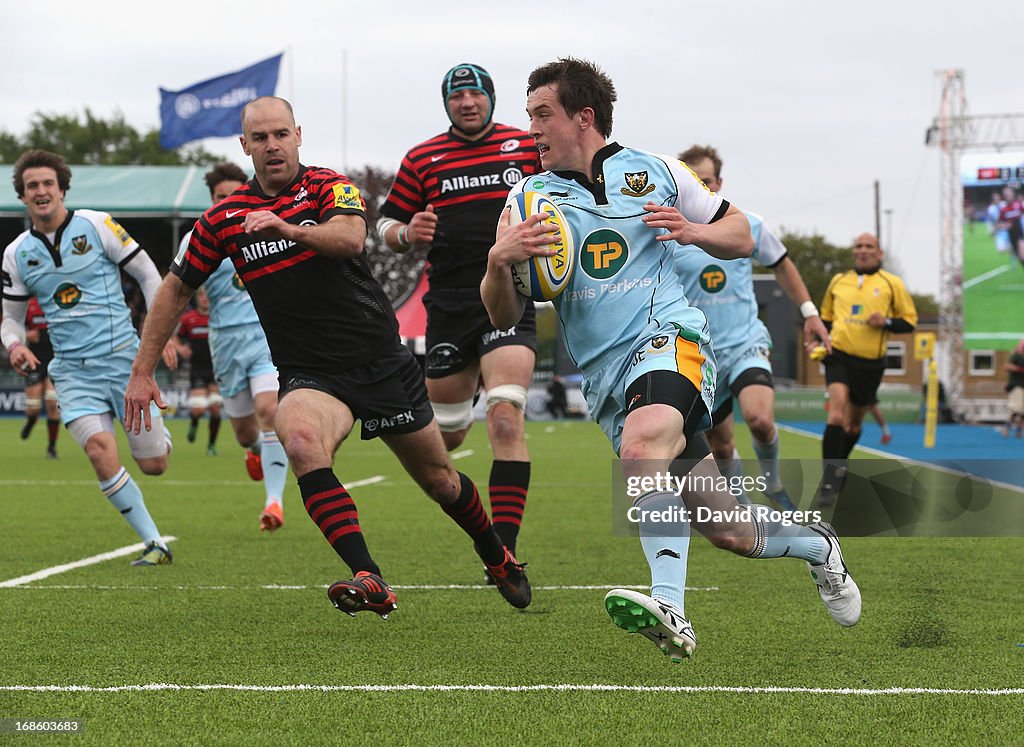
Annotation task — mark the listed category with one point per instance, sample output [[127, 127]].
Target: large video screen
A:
[[993, 275]]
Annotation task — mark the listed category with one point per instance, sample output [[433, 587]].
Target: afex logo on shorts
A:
[[402, 418]]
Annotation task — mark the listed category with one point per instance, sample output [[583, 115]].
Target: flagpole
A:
[[291, 75], [344, 110]]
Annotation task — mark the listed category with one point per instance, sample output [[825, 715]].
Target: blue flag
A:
[[212, 108]]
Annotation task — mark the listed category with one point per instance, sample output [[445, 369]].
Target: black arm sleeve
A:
[[900, 326]]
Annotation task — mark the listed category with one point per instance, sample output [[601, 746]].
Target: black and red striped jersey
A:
[[1011, 211], [467, 182], [34, 317], [320, 314], [194, 328]]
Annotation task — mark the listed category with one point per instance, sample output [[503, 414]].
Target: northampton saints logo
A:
[[81, 244], [636, 184], [236, 282], [659, 342]]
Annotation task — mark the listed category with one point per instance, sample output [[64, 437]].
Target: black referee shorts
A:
[[862, 376]]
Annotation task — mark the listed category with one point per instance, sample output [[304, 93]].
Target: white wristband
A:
[[808, 309], [403, 239]]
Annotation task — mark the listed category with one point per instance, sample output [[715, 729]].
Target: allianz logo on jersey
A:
[[509, 177], [255, 250], [260, 249]]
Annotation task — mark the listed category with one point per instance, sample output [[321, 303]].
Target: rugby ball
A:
[[543, 278]]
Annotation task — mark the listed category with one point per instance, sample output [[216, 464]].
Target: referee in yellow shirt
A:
[[861, 308]]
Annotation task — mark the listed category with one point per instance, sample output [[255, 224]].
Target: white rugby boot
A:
[[836, 587], [658, 621]]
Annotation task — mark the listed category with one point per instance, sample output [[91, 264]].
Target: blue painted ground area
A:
[[976, 449]]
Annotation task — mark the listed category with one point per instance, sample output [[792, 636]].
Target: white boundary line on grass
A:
[[92, 560], [985, 276], [695, 689], [918, 462], [176, 483], [397, 587]]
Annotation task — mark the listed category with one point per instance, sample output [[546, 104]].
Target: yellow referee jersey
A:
[[850, 301]]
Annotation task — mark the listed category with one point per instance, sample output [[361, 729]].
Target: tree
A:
[[398, 273], [91, 139], [818, 261]]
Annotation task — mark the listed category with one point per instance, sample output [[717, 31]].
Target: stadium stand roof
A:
[[123, 191]]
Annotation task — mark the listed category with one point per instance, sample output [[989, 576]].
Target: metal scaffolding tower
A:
[[953, 131]]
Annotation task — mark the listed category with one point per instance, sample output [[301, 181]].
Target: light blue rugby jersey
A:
[[724, 288], [230, 305], [624, 278], [77, 280]]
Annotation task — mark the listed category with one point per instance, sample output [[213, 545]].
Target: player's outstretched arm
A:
[[341, 237], [13, 336], [401, 237], [727, 238], [513, 244], [789, 279], [161, 321]]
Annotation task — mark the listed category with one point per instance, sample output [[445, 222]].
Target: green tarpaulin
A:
[[137, 191]]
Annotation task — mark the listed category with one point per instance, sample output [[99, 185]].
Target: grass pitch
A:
[[993, 283], [244, 647]]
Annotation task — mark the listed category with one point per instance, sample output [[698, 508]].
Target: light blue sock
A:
[[275, 467], [773, 539], [124, 493], [768, 457], [732, 470], [665, 555]]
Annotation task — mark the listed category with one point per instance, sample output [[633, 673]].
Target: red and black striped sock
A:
[[508, 486], [332, 509], [52, 429], [468, 512]]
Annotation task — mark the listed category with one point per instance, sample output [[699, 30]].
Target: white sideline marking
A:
[[368, 481], [985, 276], [397, 587], [918, 462], [177, 483], [462, 454], [93, 560], [769, 690], [993, 335]]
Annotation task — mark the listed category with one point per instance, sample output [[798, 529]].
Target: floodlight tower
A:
[[949, 134], [953, 132]]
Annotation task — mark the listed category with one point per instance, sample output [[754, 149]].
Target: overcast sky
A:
[[807, 102]]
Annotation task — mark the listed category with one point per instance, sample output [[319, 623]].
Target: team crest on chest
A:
[[659, 342], [81, 245], [636, 184]]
